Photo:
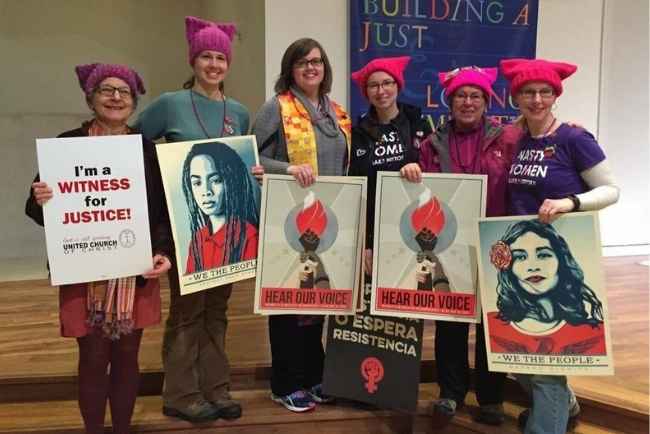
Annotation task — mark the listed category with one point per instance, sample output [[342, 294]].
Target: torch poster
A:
[[311, 245], [543, 294], [425, 266], [97, 223], [213, 202], [374, 359]]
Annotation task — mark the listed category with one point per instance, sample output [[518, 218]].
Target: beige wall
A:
[[41, 41]]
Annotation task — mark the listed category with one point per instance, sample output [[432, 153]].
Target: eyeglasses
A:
[[473, 97], [386, 84], [530, 94], [109, 91], [314, 63]]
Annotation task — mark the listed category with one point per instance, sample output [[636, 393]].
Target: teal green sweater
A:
[[171, 116]]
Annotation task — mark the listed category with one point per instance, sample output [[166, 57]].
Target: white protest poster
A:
[[543, 295], [424, 260], [97, 222], [213, 203], [311, 244]]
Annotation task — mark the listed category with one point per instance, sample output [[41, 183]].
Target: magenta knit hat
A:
[[468, 76], [522, 71], [205, 35], [92, 74], [394, 66]]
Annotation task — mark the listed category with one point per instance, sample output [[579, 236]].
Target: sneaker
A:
[[228, 409], [317, 395], [443, 411], [491, 414], [197, 412], [297, 401]]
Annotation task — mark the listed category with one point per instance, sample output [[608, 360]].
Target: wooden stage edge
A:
[[32, 354]]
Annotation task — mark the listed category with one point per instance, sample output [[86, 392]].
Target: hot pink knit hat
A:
[[522, 71], [394, 66], [468, 76], [92, 74], [205, 35]]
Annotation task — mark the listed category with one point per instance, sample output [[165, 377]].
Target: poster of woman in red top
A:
[[544, 309], [213, 203]]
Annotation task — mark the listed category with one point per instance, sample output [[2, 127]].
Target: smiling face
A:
[[382, 90], [535, 100], [467, 106], [210, 68], [308, 72], [112, 102], [534, 263], [207, 185]]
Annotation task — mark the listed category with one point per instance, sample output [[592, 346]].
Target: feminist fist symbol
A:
[[372, 370]]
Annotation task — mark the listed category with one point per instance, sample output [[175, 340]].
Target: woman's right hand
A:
[[42, 193], [411, 172], [302, 173]]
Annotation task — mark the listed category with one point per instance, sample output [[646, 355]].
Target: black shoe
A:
[[490, 415], [228, 409], [197, 412]]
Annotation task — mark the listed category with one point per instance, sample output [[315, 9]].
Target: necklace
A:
[[546, 132], [454, 147], [198, 118]]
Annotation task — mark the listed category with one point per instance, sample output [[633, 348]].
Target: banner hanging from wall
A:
[[441, 35]]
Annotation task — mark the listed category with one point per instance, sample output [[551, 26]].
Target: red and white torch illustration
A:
[[311, 223], [428, 221]]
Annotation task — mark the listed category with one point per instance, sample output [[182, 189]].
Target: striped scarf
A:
[[110, 302]]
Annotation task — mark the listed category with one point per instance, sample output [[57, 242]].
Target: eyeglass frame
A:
[[316, 62], [473, 98], [123, 91], [385, 84], [531, 94]]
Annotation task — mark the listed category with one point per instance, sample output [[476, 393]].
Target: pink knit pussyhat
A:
[[483, 78], [92, 74], [205, 35], [394, 66], [522, 71]]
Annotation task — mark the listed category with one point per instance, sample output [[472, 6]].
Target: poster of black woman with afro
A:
[[213, 203], [543, 295]]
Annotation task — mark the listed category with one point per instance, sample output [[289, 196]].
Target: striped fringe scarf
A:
[[110, 302]]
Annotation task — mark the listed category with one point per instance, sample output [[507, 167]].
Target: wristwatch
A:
[[576, 202]]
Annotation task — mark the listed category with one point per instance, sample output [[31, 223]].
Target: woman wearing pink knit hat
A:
[[197, 372], [569, 173], [389, 125], [108, 317], [469, 143]]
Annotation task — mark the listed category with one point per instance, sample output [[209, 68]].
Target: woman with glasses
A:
[[388, 136], [197, 372], [557, 168], [469, 143], [107, 317], [303, 133]]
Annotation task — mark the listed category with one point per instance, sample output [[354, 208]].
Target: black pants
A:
[[453, 367], [297, 354]]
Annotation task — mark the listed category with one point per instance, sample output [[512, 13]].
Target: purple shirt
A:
[[549, 168]]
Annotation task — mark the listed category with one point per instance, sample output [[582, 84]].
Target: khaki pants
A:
[[194, 356]]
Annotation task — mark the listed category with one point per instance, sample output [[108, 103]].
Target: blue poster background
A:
[[440, 35]]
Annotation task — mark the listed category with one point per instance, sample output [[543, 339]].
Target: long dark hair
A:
[[569, 296], [238, 200], [294, 53]]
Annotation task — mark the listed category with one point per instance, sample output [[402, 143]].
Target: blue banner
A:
[[441, 35]]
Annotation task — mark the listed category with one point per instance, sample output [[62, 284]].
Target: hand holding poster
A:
[[311, 245], [213, 200], [96, 224], [544, 301], [425, 265]]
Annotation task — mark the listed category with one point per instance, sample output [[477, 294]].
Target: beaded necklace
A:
[[228, 129]]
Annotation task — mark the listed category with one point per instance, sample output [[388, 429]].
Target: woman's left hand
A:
[[411, 172], [161, 265], [551, 208], [258, 172]]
